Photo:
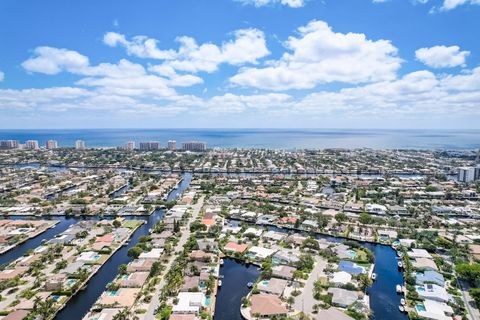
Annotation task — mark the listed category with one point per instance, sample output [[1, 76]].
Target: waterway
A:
[[234, 286], [383, 299]]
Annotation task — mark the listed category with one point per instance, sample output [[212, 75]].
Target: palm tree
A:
[[122, 315]]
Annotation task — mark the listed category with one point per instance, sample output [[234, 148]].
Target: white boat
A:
[[374, 276], [400, 264], [250, 284], [219, 283], [400, 254], [401, 308], [402, 302], [399, 288], [222, 262]]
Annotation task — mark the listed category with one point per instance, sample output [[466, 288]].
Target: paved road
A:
[[469, 302], [305, 301], [155, 302]]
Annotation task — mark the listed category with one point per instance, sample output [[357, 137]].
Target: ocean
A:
[[261, 138]]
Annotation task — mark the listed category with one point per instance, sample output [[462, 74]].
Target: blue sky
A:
[[244, 63]]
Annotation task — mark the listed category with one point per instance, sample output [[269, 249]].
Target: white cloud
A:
[[319, 55], [2, 76], [50, 60], [261, 3], [139, 46], [452, 4], [442, 56], [248, 46]]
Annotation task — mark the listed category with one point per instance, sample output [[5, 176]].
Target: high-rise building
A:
[[477, 172], [51, 144], [149, 145], [172, 145], [466, 174], [130, 145], [194, 146], [80, 145], [31, 145], [9, 144]]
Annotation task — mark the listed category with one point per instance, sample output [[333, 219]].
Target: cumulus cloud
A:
[[248, 46], [50, 60], [319, 55], [261, 3], [442, 56], [452, 4]]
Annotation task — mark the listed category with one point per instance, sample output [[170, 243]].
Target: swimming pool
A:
[[420, 307], [207, 301], [352, 254]]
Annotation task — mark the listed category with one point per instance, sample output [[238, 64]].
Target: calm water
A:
[[234, 287], [262, 138], [383, 299]]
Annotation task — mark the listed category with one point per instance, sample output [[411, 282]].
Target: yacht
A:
[[374, 276]]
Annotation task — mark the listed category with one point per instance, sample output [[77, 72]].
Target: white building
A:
[[8, 144], [189, 302], [51, 144], [130, 145], [80, 145], [31, 145], [172, 145], [149, 145], [194, 146], [466, 174]]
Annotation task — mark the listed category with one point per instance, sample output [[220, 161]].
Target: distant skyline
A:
[[240, 64]]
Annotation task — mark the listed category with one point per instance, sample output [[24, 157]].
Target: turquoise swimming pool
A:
[[207, 301], [420, 307]]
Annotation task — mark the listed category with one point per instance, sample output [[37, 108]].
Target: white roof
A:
[[189, 302], [152, 254], [341, 277], [261, 252]]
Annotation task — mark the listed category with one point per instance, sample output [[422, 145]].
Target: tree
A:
[[122, 269], [116, 223], [122, 315], [305, 262], [365, 218], [341, 217], [470, 272], [134, 252]]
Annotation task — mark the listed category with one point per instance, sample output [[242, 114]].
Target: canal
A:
[[236, 276]]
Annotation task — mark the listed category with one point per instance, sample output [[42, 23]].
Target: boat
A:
[[402, 302], [222, 262], [250, 284], [399, 288], [219, 283], [400, 254], [400, 264], [221, 276], [374, 276], [401, 308]]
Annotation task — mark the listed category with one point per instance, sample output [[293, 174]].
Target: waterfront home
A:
[[104, 314], [72, 267], [266, 306], [433, 292], [140, 265], [190, 283], [17, 315], [419, 253], [387, 234], [153, 254], [88, 257], [235, 248], [285, 256], [28, 260], [121, 298], [425, 264], [376, 208], [341, 278], [183, 317], [62, 239], [429, 277], [408, 243], [189, 302], [133, 280], [273, 286], [434, 310], [331, 314], [283, 272], [342, 298], [260, 253], [199, 255], [55, 282], [29, 304], [274, 236], [350, 267], [165, 235], [9, 274]]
